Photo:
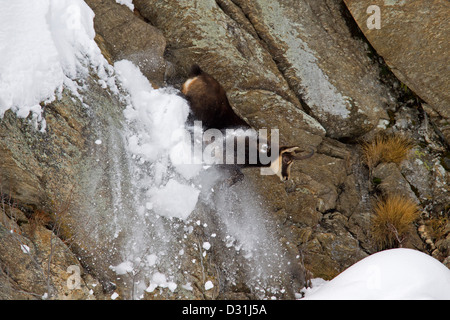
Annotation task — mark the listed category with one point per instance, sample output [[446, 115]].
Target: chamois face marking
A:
[[287, 158], [209, 104], [186, 85]]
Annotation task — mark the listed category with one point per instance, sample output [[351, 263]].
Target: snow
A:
[[209, 285], [187, 286], [151, 259], [128, 3], [158, 136], [174, 199], [30, 69], [394, 274], [45, 45], [123, 268], [114, 296], [160, 280], [160, 113], [25, 248], [48, 45]]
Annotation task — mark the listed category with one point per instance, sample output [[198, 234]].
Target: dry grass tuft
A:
[[386, 148], [392, 220]]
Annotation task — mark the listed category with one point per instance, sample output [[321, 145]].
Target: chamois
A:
[[209, 104]]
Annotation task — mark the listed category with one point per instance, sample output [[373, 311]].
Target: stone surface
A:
[[203, 33], [413, 40], [57, 172], [36, 264], [339, 84]]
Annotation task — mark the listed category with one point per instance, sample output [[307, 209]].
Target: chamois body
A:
[[209, 102]]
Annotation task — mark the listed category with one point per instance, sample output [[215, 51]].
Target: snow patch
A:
[[209, 285], [114, 296], [391, 275], [25, 248], [158, 137], [46, 45], [128, 3], [317, 87]]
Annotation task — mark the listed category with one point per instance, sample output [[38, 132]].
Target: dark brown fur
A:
[[209, 102]]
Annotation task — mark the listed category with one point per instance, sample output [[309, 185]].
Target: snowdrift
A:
[[391, 274]]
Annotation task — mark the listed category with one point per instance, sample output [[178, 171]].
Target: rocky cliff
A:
[[312, 69]]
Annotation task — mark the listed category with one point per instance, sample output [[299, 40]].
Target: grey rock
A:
[[392, 181], [327, 68], [413, 40]]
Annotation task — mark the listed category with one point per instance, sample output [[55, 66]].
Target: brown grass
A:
[[393, 220], [386, 148]]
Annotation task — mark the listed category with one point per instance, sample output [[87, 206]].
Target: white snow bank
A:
[[392, 275], [45, 45]]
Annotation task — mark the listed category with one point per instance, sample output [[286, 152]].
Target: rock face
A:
[[56, 172], [413, 40], [126, 37], [36, 264], [291, 65], [333, 82], [269, 46]]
